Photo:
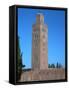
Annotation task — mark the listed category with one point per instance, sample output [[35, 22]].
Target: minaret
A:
[[39, 44]]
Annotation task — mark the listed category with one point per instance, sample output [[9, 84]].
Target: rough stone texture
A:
[[39, 44], [49, 74]]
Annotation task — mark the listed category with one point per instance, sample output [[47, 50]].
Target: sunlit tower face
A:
[[40, 19], [39, 44]]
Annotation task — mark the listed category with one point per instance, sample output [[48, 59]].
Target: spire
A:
[[39, 18]]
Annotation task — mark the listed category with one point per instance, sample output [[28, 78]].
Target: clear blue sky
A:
[[56, 34]]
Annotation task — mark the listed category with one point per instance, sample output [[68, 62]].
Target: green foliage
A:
[[58, 65], [51, 66], [18, 61]]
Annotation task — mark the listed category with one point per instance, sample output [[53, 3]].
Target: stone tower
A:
[[39, 44]]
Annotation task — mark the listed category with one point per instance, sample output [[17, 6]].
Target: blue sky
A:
[[55, 21]]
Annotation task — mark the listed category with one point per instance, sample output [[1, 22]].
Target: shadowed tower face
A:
[[39, 44]]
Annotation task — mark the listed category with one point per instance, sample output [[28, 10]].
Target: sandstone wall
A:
[[49, 74]]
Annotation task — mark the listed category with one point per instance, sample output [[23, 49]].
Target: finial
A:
[[39, 13]]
